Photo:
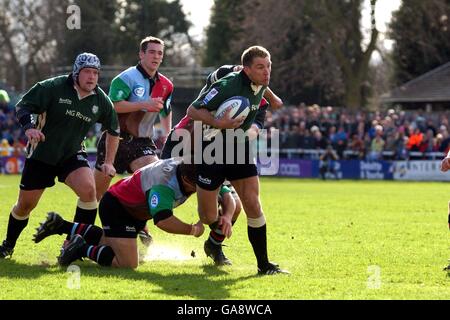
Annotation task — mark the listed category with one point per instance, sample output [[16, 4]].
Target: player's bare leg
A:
[[125, 250], [213, 246], [207, 205], [248, 191], [82, 182], [142, 162], [102, 183]]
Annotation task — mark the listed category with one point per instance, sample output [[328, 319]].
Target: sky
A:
[[383, 14], [198, 12]]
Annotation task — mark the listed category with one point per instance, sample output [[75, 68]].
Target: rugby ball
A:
[[240, 107]]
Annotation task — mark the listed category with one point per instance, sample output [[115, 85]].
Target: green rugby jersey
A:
[[234, 84], [162, 198], [64, 119]]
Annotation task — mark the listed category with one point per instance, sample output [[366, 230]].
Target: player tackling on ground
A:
[[152, 192]]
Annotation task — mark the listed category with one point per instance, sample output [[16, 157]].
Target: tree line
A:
[[319, 50], [38, 35]]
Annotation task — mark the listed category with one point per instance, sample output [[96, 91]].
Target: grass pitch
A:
[[339, 239]]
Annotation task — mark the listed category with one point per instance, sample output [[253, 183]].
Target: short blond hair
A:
[[251, 53], [147, 40]]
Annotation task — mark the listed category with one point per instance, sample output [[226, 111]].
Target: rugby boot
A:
[[6, 250], [271, 269], [71, 251], [50, 226], [215, 252]]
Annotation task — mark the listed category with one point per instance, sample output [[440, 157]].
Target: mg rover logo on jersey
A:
[[77, 114], [94, 109], [139, 91]]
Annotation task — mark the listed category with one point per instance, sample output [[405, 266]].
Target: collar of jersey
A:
[[78, 93], [145, 74], [255, 88], [71, 83]]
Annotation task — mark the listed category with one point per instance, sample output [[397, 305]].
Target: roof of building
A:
[[433, 86]]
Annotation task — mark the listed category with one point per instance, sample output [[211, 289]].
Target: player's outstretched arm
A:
[[166, 124], [112, 143], [174, 225], [274, 100], [205, 116], [151, 105]]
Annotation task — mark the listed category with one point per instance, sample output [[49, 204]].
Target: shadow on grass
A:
[[9, 268], [212, 284]]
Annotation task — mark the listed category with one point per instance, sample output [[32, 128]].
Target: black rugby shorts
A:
[[130, 149], [38, 175]]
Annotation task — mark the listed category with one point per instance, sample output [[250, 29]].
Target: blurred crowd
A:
[[389, 135], [306, 131], [11, 134]]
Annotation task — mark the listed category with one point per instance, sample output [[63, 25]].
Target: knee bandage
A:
[[87, 205], [17, 217], [256, 222]]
